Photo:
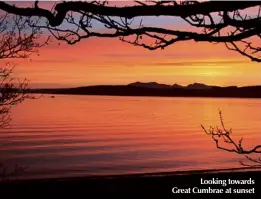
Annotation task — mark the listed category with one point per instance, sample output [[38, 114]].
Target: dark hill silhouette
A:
[[195, 85], [150, 85], [198, 86], [163, 90], [177, 86]]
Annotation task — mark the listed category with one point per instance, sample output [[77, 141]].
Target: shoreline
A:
[[149, 185], [131, 90], [145, 174], [160, 96]]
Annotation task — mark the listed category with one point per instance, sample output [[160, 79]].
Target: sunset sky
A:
[[110, 61]]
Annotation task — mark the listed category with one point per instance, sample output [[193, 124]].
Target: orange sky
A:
[[110, 61]]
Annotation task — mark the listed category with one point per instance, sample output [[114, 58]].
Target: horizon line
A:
[[76, 86]]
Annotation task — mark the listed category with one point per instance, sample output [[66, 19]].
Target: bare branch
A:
[[184, 9], [6, 174], [215, 22], [17, 40], [224, 135]]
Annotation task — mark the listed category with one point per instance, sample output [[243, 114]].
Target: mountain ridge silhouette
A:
[[160, 90]]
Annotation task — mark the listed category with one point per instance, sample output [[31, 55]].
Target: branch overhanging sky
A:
[[98, 61]]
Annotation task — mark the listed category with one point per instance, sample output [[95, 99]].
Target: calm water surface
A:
[[101, 135]]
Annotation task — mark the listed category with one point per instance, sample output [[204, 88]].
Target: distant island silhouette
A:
[[156, 89]]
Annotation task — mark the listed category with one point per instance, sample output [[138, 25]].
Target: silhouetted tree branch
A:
[[17, 40], [6, 174], [212, 21], [12, 92], [224, 135]]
